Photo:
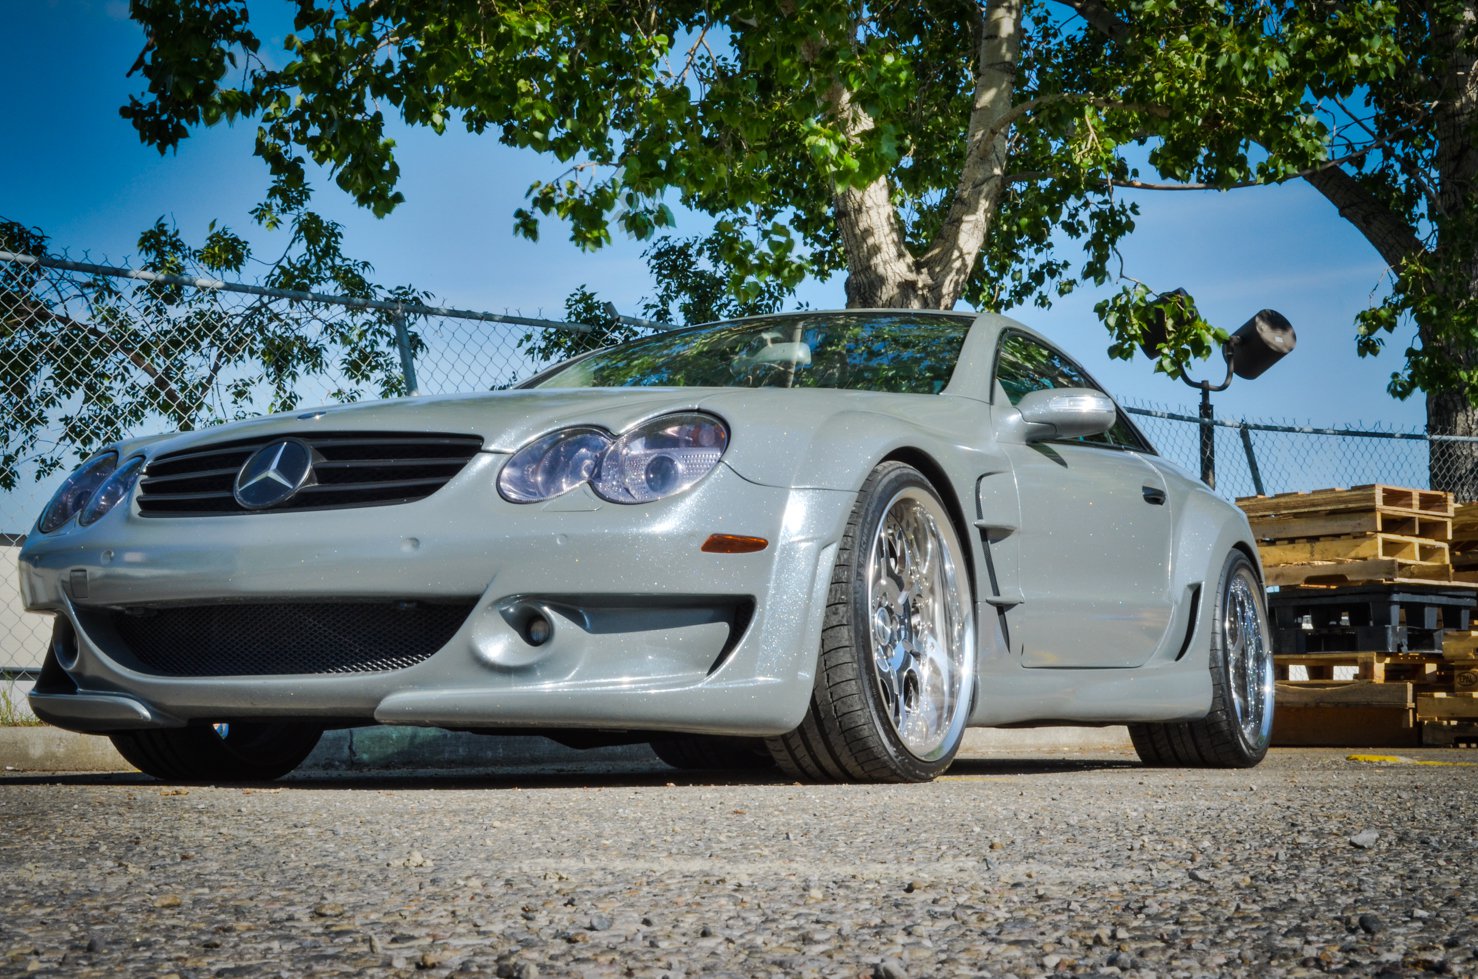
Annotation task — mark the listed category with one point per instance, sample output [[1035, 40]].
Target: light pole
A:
[[1257, 345]]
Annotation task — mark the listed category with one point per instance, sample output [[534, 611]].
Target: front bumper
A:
[[649, 632]]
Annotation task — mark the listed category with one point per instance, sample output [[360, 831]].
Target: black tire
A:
[[697, 752], [860, 706], [1236, 733], [236, 752]]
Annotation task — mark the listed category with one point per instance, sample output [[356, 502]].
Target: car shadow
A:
[[564, 776]]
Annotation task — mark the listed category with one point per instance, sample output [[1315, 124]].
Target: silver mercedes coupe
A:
[[823, 541]]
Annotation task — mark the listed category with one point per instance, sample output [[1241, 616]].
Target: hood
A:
[[505, 420]]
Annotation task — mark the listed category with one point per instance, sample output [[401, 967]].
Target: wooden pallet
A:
[[1375, 667], [1460, 645], [1404, 550], [1297, 526], [1345, 714], [1367, 534], [1465, 521], [1370, 570], [1389, 499], [1441, 706]]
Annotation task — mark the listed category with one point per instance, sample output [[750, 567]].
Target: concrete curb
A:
[[384, 749]]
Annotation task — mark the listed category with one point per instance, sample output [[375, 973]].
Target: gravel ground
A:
[[1309, 864]]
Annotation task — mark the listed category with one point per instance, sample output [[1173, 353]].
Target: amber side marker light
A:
[[733, 544]]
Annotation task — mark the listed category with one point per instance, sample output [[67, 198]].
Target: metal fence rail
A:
[[1264, 457]]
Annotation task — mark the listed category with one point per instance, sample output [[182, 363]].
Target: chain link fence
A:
[[92, 353], [1267, 457]]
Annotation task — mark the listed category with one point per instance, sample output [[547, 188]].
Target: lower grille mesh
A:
[[275, 638]]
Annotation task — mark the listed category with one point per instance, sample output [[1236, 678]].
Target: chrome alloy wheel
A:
[[921, 624], [1249, 657]]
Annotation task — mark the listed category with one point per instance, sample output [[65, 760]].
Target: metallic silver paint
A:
[[626, 586]]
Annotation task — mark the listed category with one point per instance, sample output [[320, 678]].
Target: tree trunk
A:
[[882, 271], [1453, 466]]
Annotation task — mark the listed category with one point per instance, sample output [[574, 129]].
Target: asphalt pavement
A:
[[1021, 865]]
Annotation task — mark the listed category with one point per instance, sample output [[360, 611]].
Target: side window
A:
[[1024, 365]]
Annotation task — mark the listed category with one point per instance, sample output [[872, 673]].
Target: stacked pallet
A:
[[1464, 542], [1457, 707], [1374, 664], [1386, 534]]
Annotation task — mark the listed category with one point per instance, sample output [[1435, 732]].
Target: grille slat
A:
[[203, 474], [385, 463], [288, 638], [354, 469], [155, 498], [385, 486]]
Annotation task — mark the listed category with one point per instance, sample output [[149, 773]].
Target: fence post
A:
[[1208, 437], [1251, 459], [407, 359]]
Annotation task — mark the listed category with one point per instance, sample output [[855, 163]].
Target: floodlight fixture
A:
[[1257, 345]]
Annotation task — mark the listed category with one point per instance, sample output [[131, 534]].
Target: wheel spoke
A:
[[919, 626], [1248, 657]]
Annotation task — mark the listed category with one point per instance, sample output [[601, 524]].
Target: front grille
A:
[[275, 638], [351, 469]]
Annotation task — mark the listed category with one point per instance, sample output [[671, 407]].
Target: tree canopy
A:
[[1405, 174], [929, 150]]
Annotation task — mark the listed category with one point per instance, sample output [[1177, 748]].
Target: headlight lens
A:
[[657, 459], [662, 457], [115, 490], [76, 491], [553, 465]]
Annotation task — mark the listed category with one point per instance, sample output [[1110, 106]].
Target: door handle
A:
[[1153, 495]]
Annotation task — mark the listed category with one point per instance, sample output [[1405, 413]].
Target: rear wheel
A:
[[896, 671], [1235, 734], [693, 752], [241, 751]]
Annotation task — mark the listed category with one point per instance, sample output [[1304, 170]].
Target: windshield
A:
[[905, 352]]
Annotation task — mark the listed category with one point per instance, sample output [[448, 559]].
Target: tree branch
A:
[[1100, 18], [1388, 231]]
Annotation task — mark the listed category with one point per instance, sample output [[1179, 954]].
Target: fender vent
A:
[[1190, 626]]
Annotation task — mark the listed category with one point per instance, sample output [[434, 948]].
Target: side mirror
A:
[[1065, 413]]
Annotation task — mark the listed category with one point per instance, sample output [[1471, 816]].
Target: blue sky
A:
[[74, 168]]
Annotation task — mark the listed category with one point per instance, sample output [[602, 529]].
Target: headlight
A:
[[662, 457], [115, 490], [553, 465], [76, 491], [657, 459]]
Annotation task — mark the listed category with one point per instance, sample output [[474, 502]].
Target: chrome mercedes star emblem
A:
[[274, 474]]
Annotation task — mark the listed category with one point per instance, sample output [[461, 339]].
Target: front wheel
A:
[[1235, 734], [241, 751], [896, 672]]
